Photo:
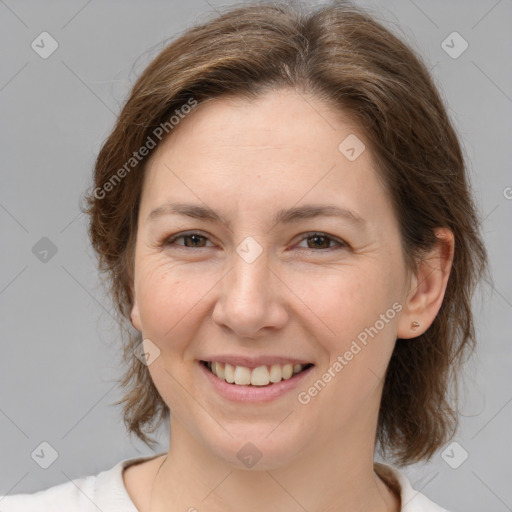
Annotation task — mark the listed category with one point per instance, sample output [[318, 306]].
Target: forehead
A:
[[276, 120], [278, 149]]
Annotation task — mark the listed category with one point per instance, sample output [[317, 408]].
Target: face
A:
[[320, 285]]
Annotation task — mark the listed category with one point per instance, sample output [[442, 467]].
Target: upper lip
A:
[[253, 361]]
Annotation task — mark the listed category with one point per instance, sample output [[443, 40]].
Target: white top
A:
[[106, 492]]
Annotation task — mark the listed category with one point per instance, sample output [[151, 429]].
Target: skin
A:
[[246, 160]]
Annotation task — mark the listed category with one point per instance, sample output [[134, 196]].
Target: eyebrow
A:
[[284, 216]]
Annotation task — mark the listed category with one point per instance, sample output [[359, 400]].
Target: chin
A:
[[256, 449]]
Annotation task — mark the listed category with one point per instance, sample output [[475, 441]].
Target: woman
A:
[[284, 215]]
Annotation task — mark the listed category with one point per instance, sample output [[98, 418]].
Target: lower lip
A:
[[253, 394]]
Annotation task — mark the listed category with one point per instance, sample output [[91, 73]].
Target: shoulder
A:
[[412, 500], [105, 491], [74, 495]]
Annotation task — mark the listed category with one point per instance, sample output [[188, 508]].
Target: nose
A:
[[250, 300]]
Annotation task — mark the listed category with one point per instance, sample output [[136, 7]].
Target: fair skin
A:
[[303, 297]]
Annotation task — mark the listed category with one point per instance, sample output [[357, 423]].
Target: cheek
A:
[[362, 313], [164, 297], [354, 299], [359, 310]]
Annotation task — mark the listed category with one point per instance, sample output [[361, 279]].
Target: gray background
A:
[[60, 345]]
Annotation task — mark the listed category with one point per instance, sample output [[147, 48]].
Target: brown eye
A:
[[322, 241], [318, 241], [192, 240]]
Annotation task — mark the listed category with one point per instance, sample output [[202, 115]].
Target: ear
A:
[[135, 314], [427, 287]]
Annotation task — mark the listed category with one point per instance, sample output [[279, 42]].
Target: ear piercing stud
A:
[[414, 325]]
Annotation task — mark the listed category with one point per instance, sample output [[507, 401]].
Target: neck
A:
[[337, 475]]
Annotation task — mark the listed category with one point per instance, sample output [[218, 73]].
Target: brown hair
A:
[[340, 54]]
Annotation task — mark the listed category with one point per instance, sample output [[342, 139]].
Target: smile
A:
[[260, 376]]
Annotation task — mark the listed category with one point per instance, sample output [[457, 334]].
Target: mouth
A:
[[261, 376]]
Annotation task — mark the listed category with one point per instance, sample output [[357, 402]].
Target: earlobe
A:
[[428, 287], [135, 314], [135, 317]]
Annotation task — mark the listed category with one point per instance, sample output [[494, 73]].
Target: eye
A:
[[322, 241], [195, 240]]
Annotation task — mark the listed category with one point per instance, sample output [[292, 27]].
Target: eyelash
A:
[[341, 243]]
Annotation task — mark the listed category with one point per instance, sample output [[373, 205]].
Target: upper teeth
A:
[[259, 376]]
